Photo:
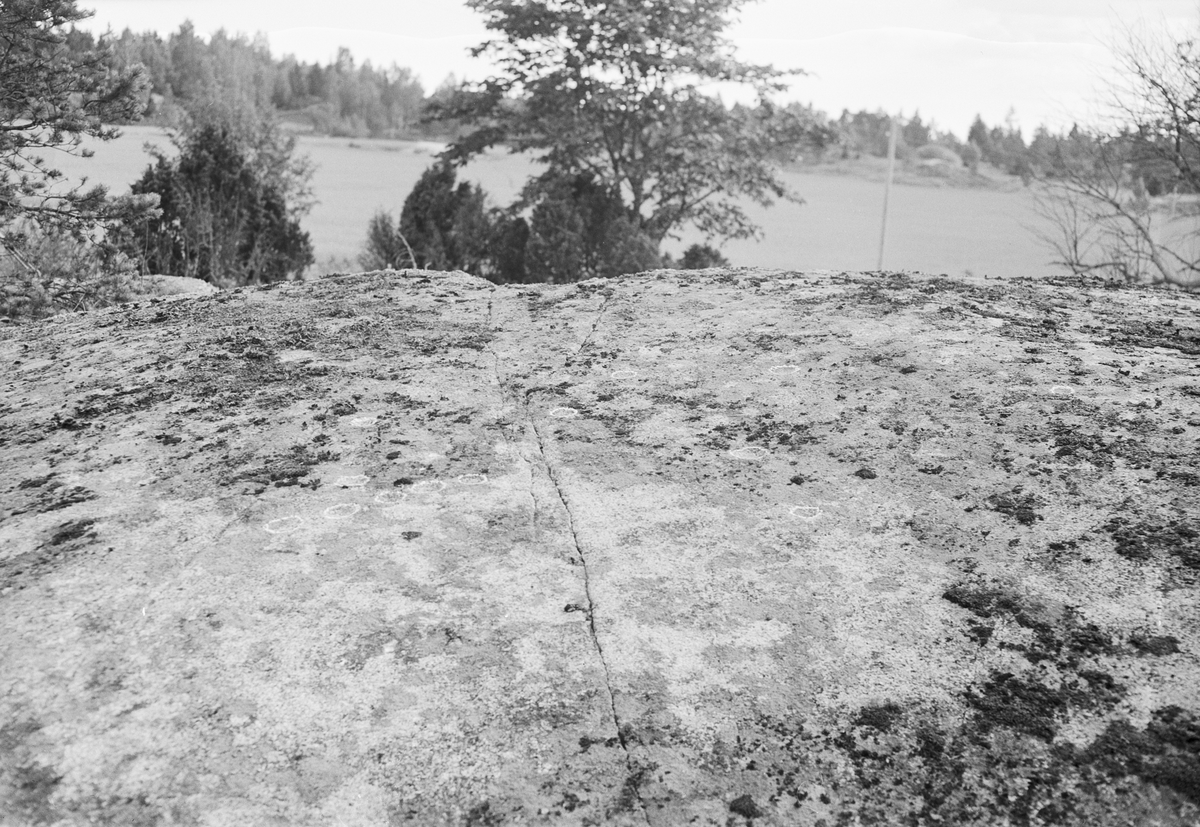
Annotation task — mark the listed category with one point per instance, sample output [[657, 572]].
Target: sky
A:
[[1043, 61]]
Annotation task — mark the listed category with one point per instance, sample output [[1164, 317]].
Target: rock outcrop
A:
[[678, 548]]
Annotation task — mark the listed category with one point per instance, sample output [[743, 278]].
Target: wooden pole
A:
[[887, 192]]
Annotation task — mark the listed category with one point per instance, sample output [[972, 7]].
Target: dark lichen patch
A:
[[1059, 634], [1147, 540], [990, 601], [1027, 707], [1166, 753], [341, 407], [1187, 479], [1154, 333], [41, 495], [630, 798], [1001, 763], [34, 482], [765, 431], [880, 717], [1071, 443], [1155, 645], [73, 530], [110, 403], [1018, 505], [58, 549], [32, 790], [403, 401], [745, 806], [1030, 707], [283, 470]]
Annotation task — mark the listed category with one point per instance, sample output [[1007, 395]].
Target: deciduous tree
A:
[[622, 91], [1124, 200]]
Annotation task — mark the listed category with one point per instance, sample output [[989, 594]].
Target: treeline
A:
[[1004, 147], [238, 74], [345, 98]]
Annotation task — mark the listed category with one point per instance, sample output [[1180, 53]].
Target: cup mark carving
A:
[[284, 525], [342, 511]]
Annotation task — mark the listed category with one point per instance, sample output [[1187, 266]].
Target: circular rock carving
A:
[[342, 511], [749, 452], [472, 479], [391, 497], [356, 481], [808, 513], [564, 413], [284, 525]]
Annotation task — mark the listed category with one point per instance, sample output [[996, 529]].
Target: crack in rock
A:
[[634, 776], [592, 332]]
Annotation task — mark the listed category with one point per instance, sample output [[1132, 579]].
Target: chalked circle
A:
[[342, 511], [624, 373], [808, 513], [356, 481], [472, 479], [785, 369], [1062, 390], [429, 486], [391, 497], [564, 413], [364, 421], [284, 525], [751, 452]]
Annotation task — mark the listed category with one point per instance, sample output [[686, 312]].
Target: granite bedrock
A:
[[719, 547]]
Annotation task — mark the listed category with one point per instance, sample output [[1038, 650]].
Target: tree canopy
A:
[[620, 91], [51, 95], [1124, 201]]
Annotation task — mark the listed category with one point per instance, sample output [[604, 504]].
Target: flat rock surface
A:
[[679, 548]]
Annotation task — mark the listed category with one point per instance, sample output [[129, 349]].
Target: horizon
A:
[[1042, 62]]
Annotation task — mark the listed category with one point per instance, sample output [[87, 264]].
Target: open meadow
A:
[[934, 229]]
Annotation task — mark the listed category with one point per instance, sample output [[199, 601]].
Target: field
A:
[[932, 229]]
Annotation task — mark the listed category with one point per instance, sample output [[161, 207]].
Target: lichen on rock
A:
[[729, 547]]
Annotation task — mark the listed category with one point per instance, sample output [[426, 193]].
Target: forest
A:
[[346, 98]]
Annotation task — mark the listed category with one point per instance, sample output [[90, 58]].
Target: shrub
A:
[[507, 247], [45, 271], [225, 212], [701, 257], [446, 223], [575, 230], [386, 248], [579, 230]]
